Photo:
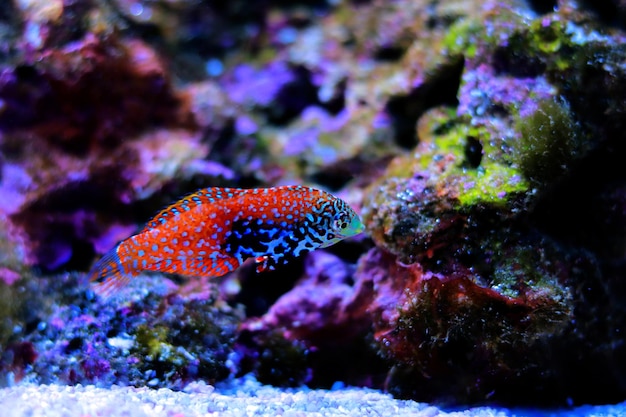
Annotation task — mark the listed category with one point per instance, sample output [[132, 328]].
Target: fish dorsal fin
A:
[[210, 195]]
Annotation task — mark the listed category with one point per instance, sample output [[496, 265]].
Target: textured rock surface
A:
[[483, 143]]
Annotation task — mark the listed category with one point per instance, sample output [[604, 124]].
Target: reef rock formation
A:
[[482, 142]]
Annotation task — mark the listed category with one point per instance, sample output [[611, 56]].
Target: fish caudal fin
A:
[[108, 275]]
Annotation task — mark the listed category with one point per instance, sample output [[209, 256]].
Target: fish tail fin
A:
[[108, 275]]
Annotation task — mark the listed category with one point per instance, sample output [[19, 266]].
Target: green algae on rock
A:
[[153, 340], [426, 194], [464, 336], [549, 142], [190, 340], [280, 361], [14, 302], [502, 112], [486, 298]]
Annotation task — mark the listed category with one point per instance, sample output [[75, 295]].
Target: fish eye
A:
[[340, 223]]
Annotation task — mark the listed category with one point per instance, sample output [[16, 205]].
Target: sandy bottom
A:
[[241, 398]]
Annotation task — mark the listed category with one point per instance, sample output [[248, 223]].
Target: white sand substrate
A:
[[248, 398]]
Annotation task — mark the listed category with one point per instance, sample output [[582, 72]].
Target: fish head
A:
[[344, 223], [347, 223]]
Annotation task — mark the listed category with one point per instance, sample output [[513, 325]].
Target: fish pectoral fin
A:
[[264, 263], [269, 262]]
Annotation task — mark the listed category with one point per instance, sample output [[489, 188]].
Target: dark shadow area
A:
[[610, 12], [440, 89], [293, 98], [542, 7], [260, 291]]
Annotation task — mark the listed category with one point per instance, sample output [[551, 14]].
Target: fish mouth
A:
[[357, 227]]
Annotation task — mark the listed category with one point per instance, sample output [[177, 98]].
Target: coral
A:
[[476, 284], [45, 23], [155, 340], [548, 142], [77, 116], [319, 294], [469, 335], [87, 93], [481, 141], [13, 272], [190, 341], [274, 359], [428, 196], [317, 330]]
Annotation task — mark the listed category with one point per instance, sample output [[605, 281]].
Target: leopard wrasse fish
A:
[[213, 231]]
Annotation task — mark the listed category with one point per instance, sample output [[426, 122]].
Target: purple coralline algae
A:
[[73, 117], [157, 340], [466, 223], [325, 315], [481, 142]]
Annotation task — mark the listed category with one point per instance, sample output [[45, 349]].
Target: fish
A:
[[214, 230]]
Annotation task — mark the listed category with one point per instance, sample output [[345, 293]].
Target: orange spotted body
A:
[[213, 231]]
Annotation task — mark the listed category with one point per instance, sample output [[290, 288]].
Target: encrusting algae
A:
[[213, 231]]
